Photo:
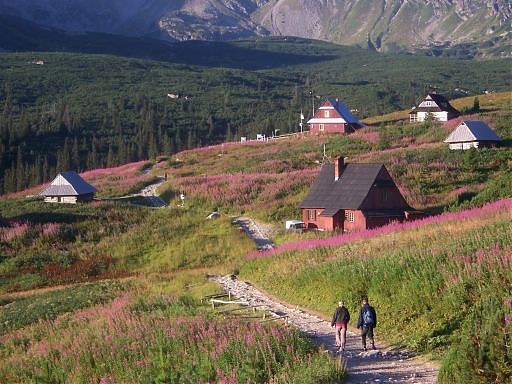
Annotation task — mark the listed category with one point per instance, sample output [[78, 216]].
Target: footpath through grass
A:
[[444, 288], [149, 327]]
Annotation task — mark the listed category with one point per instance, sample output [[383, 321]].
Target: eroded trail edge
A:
[[383, 365]]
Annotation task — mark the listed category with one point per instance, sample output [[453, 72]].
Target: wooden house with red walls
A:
[[351, 197], [333, 116]]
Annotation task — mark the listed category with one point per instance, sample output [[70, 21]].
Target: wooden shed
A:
[[68, 187]]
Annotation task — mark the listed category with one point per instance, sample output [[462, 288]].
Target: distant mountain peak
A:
[[386, 25]]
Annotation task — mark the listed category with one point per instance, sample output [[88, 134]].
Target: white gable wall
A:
[[59, 180], [428, 103]]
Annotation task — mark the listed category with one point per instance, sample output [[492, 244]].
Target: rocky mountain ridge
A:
[[383, 25]]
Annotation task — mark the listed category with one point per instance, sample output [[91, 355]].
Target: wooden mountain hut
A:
[[434, 105], [350, 197], [333, 116], [472, 134], [68, 187]]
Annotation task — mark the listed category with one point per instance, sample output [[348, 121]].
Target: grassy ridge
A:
[[435, 288], [80, 111], [53, 244]]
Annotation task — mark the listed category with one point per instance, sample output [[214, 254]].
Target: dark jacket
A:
[[360, 321], [340, 315]]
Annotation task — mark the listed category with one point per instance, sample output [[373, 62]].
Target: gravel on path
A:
[[383, 365]]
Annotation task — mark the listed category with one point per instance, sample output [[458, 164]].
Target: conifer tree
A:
[[75, 155], [110, 156]]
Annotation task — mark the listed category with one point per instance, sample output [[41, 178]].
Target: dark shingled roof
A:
[[348, 192], [442, 105], [68, 183]]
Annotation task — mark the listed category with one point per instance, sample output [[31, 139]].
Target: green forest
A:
[[79, 111]]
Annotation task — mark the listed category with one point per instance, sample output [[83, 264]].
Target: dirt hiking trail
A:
[[383, 365]]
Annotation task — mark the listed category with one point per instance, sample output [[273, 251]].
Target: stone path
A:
[[149, 192], [383, 365], [256, 231]]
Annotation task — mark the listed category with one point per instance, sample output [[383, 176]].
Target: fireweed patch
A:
[[117, 343]]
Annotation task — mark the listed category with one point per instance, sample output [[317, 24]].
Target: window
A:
[[349, 216], [321, 127], [326, 113], [414, 117], [312, 215], [384, 196]]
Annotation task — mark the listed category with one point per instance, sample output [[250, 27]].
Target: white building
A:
[[434, 105]]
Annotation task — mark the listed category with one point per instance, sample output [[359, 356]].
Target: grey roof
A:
[[344, 111], [68, 183], [348, 192], [472, 130]]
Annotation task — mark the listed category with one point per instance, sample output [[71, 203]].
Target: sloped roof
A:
[[68, 183], [442, 104], [343, 111], [348, 192], [472, 130]]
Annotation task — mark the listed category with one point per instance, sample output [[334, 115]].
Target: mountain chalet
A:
[[434, 105], [333, 116], [351, 197]]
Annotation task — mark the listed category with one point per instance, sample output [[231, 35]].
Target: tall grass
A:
[[55, 244], [443, 287], [161, 340], [486, 210]]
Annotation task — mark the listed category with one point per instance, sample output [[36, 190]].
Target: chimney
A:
[[339, 164]]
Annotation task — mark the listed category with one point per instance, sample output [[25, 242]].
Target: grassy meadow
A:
[[158, 338], [441, 286], [109, 292]]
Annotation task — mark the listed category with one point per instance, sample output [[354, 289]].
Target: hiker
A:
[[367, 321], [340, 319]]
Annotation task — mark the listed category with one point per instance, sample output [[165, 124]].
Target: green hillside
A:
[[84, 111], [76, 281]]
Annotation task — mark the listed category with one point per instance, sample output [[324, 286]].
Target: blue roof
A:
[[344, 111], [481, 130], [472, 130]]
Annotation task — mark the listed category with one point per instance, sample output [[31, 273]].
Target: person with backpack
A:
[[367, 321], [340, 319]]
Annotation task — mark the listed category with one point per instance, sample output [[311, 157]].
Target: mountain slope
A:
[[390, 24], [468, 28]]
